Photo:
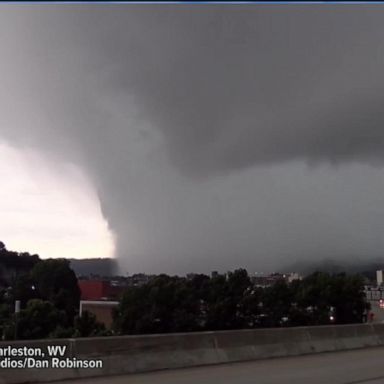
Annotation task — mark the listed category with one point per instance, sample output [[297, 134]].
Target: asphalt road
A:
[[364, 366]]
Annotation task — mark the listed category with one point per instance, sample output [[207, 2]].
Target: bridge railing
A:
[[134, 354]]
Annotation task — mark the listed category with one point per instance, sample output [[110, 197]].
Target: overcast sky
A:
[[192, 137]]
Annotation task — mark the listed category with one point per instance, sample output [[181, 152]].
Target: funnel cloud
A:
[[215, 136]]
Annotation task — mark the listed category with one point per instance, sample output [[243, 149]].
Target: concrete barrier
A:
[[134, 354]]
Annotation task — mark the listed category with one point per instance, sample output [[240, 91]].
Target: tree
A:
[[231, 301], [87, 325], [277, 301], [320, 293], [38, 320], [165, 304], [24, 289], [251, 307], [348, 298], [56, 282], [14, 264], [224, 300]]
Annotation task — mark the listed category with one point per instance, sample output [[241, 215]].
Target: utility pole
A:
[[17, 310]]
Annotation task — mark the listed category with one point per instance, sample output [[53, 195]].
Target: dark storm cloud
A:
[[233, 88], [226, 87], [194, 123]]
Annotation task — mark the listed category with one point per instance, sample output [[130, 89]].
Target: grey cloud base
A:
[[216, 136]]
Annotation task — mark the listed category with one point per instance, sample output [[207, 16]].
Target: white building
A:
[[379, 277], [293, 276]]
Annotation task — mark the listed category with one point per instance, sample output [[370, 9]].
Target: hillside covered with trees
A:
[[49, 298]]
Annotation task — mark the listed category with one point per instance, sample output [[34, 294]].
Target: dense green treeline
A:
[[49, 299], [231, 301]]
